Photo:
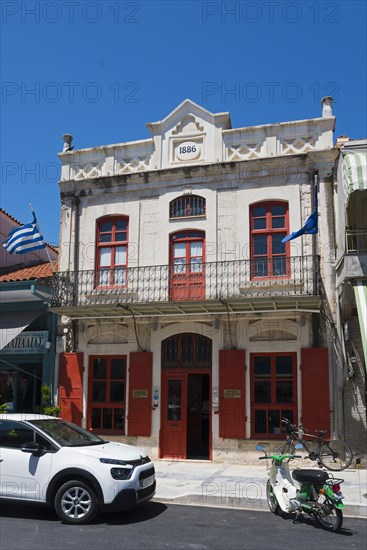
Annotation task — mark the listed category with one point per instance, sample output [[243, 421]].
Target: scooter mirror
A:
[[259, 448], [298, 446]]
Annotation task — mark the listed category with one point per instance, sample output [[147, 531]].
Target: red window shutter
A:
[[232, 393], [315, 389], [71, 387], [140, 393]]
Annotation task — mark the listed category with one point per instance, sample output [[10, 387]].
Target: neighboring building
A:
[[27, 328], [189, 327], [351, 283]]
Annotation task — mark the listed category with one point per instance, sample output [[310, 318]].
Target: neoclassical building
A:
[[186, 325]]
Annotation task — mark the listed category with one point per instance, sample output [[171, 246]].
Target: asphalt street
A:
[[156, 526]]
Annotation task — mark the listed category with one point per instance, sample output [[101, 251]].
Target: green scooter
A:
[[315, 492]]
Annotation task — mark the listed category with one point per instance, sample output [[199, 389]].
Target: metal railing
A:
[[356, 241], [233, 279]]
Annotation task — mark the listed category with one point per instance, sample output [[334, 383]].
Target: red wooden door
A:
[[71, 387], [187, 266], [174, 416], [232, 419], [140, 393], [315, 389]]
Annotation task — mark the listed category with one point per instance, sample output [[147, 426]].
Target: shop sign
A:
[[28, 342]]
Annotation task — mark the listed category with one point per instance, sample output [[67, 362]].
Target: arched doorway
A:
[[186, 397]]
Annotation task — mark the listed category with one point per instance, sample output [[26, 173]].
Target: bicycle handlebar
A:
[[300, 430]]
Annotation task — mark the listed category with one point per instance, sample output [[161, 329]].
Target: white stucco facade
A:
[[193, 152]]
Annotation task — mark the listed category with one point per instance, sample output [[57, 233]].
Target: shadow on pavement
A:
[[144, 512], [306, 520]]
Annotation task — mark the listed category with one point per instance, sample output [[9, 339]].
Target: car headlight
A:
[[121, 473]]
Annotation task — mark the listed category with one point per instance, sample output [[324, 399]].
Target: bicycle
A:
[[333, 454]]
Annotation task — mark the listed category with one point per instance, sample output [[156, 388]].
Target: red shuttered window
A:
[[107, 389], [112, 248], [273, 392], [269, 224]]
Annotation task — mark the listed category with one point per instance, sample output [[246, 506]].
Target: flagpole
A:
[[38, 227], [315, 262]]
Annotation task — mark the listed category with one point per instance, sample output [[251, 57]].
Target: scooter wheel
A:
[[327, 515], [272, 499]]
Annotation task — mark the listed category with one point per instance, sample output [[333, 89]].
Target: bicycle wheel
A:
[[335, 455]]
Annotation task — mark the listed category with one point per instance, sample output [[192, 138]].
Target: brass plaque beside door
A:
[[232, 394], [137, 394]]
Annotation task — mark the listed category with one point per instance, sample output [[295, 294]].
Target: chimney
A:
[[327, 106], [341, 140], [68, 138]]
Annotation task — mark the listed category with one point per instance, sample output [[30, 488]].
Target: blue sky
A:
[[102, 70]]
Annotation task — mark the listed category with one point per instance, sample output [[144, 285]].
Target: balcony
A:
[[237, 286], [353, 264], [356, 241]]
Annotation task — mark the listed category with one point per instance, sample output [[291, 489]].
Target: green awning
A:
[[354, 173], [360, 292]]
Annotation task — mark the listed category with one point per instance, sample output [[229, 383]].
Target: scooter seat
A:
[[310, 476]]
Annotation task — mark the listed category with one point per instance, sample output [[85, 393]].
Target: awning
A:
[[354, 173], [12, 323], [360, 291]]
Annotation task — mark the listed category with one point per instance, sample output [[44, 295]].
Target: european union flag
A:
[[310, 227]]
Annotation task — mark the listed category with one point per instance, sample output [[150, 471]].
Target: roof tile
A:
[[39, 271]]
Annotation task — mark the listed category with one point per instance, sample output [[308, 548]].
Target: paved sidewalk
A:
[[239, 486]]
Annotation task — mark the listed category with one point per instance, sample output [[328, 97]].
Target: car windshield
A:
[[67, 434]]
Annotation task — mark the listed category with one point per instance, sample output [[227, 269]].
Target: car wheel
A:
[[76, 502]]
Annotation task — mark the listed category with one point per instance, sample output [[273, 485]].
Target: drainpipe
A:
[[75, 206], [315, 265]]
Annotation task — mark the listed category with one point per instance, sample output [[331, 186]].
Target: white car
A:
[[47, 460]]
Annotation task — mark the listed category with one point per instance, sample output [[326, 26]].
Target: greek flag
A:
[[24, 239]]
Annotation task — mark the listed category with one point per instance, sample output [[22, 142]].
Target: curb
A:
[[259, 505]]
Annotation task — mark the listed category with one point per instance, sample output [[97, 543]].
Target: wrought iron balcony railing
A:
[[233, 279]]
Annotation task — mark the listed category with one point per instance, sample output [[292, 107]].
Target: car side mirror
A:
[[30, 447]]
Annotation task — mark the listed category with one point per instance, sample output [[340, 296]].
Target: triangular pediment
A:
[[188, 118]]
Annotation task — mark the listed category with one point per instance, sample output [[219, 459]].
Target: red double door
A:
[[187, 257], [185, 425]]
